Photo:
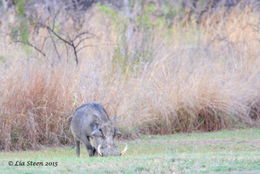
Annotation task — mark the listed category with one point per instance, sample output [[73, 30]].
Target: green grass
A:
[[217, 152]]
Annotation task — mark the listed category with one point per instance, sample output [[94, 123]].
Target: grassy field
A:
[[236, 151]]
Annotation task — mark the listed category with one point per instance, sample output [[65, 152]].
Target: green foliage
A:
[[145, 22], [119, 59], [109, 12], [2, 58], [147, 19], [20, 31], [125, 59], [24, 30], [20, 7]]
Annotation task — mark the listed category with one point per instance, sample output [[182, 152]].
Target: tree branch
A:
[[31, 45]]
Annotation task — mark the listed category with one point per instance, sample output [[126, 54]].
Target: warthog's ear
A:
[[98, 120], [117, 132], [113, 119], [96, 133]]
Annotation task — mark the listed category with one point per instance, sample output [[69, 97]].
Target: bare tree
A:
[[49, 18]]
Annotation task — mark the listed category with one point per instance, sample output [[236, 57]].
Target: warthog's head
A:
[[103, 139]]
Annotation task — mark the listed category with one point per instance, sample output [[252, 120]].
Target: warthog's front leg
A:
[[91, 150]]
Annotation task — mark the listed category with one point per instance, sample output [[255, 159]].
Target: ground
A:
[[227, 151]]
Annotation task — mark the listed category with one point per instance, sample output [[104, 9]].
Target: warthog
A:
[[91, 125]]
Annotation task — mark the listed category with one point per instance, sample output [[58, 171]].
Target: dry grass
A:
[[36, 101], [198, 78]]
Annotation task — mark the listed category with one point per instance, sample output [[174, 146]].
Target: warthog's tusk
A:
[[98, 150], [124, 151]]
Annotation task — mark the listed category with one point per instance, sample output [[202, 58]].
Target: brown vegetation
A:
[[197, 78]]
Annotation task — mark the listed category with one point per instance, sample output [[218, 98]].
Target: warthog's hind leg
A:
[[78, 148]]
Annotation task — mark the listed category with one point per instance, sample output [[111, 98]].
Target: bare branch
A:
[[31, 45], [75, 53], [54, 45], [79, 49], [73, 43], [82, 40], [56, 34]]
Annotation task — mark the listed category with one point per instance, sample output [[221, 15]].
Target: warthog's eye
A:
[[102, 134], [97, 133], [116, 132]]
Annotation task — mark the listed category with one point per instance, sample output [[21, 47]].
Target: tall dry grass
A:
[[198, 78]]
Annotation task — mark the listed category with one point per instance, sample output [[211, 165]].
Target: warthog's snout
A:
[[108, 151]]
